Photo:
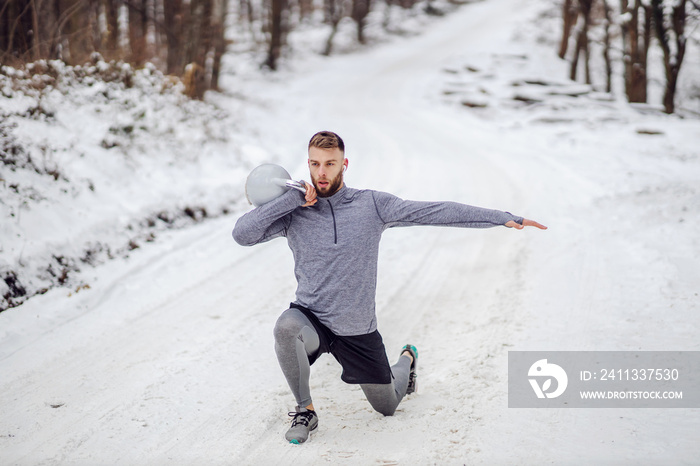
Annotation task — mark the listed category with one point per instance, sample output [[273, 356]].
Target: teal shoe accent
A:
[[412, 349], [295, 442]]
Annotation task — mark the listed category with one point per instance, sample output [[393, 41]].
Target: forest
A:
[[187, 38], [629, 29], [184, 38]]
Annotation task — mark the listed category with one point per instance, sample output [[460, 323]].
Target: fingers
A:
[[310, 195], [526, 223], [532, 223]]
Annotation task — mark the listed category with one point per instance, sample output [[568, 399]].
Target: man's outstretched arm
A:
[[394, 211], [526, 223]]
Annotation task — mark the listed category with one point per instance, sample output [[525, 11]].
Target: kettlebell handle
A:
[[298, 185]]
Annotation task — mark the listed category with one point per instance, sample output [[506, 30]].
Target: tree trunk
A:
[[92, 11], [582, 42], [333, 14], [329, 42], [111, 39], [199, 43], [78, 31], [569, 15], [635, 50], [172, 10], [137, 38], [205, 46], [192, 33], [360, 10], [219, 39], [57, 29], [46, 23], [606, 46], [36, 36], [672, 62], [276, 32], [246, 12], [306, 7]]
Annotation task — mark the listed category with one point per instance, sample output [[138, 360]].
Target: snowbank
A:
[[96, 160]]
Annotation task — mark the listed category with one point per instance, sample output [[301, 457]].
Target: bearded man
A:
[[334, 232]]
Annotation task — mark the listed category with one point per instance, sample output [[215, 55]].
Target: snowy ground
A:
[[167, 357]]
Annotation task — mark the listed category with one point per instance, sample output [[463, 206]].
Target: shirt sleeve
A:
[[394, 211], [267, 221]]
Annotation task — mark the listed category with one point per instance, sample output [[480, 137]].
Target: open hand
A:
[[526, 223]]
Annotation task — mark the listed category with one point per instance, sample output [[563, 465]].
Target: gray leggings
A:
[[296, 340]]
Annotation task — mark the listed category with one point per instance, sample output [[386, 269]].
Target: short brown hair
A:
[[327, 140]]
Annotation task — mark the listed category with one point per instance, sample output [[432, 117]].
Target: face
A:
[[326, 170]]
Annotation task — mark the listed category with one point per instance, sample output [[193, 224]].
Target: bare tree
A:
[[360, 10], [607, 44], [218, 19], [277, 31], [173, 31], [334, 12], [582, 42], [306, 7], [670, 31], [138, 30], [78, 31], [636, 36], [110, 44], [569, 16]]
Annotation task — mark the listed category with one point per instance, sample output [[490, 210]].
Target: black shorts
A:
[[362, 357]]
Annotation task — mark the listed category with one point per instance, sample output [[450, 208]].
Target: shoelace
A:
[[302, 418], [412, 376]]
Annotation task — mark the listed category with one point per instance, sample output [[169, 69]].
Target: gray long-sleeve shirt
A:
[[336, 245]]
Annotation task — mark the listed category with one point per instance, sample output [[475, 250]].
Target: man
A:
[[334, 232]]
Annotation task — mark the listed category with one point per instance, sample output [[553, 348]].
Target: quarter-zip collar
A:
[[335, 198], [333, 201]]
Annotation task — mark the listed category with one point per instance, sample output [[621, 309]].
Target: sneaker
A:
[[412, 376], [304, 422]]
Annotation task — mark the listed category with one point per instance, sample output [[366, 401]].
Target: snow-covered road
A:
[[168, 357]]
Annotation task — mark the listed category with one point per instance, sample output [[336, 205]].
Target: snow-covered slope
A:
[[168, 358], [107, 158]]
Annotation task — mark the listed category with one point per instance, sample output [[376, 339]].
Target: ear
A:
[[345, 164]]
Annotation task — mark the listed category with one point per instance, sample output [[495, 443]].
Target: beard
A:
[[333, 186]]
